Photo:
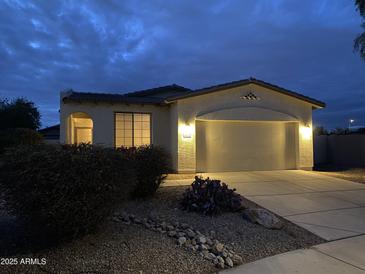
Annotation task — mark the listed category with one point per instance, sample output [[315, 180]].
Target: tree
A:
[[359, 43], [19, 113], [320, 131], [340, 131]]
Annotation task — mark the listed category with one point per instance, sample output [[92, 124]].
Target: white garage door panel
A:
[[235, 146]]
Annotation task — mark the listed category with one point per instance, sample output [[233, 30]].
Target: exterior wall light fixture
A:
[[187, 131], [306, 132]]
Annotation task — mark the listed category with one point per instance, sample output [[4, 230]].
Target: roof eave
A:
[[313, 102], [80, 101]]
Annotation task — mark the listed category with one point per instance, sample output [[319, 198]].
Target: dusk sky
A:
[[120, 46]]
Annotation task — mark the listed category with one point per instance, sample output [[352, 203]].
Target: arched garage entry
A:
[[80, 128], [246, 139]]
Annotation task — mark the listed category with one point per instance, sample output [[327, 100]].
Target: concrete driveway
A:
[[329, 207]]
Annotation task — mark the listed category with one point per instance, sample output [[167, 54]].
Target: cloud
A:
[[118, 46]]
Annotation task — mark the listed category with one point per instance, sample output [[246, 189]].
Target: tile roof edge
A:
[[250, 80]]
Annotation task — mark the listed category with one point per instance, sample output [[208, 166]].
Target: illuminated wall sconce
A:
[[306, 132], [187, 131]]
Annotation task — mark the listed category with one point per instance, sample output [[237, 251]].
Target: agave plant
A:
[[210, 197]]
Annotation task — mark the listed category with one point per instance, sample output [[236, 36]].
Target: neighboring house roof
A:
[[52, 132], [247, 82], [161, 92], [171, 93]]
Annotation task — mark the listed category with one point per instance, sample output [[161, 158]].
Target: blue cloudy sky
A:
[[118, 46]]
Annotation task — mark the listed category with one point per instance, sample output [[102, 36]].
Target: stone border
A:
[[208, 247]]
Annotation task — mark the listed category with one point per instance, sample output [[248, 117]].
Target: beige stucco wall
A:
[[190, 108], [102, 115]]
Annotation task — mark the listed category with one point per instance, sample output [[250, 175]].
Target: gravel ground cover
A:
[[123, 248], [351, 174]]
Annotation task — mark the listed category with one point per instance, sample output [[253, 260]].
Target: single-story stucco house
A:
[[242, 125], [51, 135]]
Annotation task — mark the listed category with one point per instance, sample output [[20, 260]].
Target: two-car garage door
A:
[[238, 145]]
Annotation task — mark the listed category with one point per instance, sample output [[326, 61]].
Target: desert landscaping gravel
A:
[[351, 174], [131, 248]]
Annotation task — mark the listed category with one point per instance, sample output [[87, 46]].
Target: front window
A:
[[132, 129]]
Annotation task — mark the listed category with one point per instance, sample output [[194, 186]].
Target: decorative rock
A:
[[170, 227], [202, 240], [203, 247], [190, 233], [153, 217], [204, 253], [218, 248], [224, 254], [150, 221], [172, 233], [262, 217], [210, 256], [229, 262], [163, 225], [124, 216], [220, 262], [181, 241], [115, 219], [237, 260], [181, 234]]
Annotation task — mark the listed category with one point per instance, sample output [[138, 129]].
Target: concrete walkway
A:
[[338, 257], [329, 207]]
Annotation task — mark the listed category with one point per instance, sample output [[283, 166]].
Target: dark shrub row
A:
[[67, 191], [18, 136], [210, 197], [151, 166]]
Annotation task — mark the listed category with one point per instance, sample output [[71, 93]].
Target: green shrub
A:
[[210, 197], [18, 136], [65, 191], [151, 164]]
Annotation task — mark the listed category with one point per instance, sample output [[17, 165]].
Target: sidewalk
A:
[[338, 257]]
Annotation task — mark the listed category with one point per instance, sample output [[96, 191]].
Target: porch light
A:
[[187, 131], [306, 132]]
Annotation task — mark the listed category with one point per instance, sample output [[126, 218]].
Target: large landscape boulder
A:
[[263, 217]]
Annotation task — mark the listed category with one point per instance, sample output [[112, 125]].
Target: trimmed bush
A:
[[210, 197], [65, 191], [151, 164], [18, 136]]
